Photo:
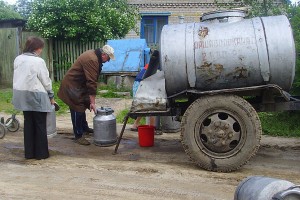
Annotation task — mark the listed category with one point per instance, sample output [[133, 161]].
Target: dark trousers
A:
[[35, 135], [79, 122]]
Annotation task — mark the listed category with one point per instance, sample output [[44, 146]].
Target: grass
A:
[[123, 113], [63, 107], [281, 123], [5, 101], [111, 89]]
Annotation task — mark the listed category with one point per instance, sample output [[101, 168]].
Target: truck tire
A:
[[221, 132]]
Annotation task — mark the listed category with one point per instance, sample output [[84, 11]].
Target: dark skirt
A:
[[35, 135]]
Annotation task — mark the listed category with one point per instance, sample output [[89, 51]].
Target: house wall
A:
[[190, 10]]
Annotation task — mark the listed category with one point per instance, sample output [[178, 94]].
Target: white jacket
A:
[[32, 86]]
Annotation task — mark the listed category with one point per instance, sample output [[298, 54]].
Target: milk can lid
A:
[[104, 111]]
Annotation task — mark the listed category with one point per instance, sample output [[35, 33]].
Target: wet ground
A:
[[163, 171]]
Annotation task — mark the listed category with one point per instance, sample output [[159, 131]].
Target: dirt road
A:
[[160, 172]]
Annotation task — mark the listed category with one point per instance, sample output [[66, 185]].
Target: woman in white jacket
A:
[[32, 94]]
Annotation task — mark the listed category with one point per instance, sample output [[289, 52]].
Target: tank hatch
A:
[[224, 15]]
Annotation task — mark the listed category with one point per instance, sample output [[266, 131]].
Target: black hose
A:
[[153, 64]]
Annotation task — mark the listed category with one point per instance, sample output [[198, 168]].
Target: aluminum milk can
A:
[[266, 188], [51, 123], [105, 127], [169, 124]]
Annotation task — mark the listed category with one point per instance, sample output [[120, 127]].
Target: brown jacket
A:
[[80, 81]]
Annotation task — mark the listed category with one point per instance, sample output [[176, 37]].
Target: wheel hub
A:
[[220, 133]]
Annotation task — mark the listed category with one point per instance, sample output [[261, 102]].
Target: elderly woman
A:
[[32, 94]]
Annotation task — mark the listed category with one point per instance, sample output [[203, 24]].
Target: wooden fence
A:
[[58, 55], [11, 44], [8, 52], [66, 52]]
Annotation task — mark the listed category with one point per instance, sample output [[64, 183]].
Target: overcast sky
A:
[[294, 1], [11, 1], [14, 1]]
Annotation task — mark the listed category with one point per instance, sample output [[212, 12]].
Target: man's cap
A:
[[109, 51]]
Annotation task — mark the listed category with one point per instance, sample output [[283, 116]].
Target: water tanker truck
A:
[[215, 76]]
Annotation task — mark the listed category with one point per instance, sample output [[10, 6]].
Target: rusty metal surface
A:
[[276, 90], [223, 55]]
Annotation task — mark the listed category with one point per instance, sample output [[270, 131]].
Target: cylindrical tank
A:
[[227, 51], [105, 127], [51, 123], [260, 188], [169, 124]]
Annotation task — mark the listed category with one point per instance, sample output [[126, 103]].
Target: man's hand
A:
[[92, 104], [93, 107]]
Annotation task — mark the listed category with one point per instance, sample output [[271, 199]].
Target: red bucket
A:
[[146, 135]]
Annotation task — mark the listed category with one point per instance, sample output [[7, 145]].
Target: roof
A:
[[131, 56], [12, 23]]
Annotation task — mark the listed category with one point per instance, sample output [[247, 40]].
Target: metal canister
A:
[[264, 188], [51, 123], [169, 124], [105, 127]]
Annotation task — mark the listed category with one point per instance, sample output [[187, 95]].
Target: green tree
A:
[[294, 15], [86, 20], [266, 7], [7, 12], [24, 8]]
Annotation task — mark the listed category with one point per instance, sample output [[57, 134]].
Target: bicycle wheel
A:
[[2, 130], [12, 124]]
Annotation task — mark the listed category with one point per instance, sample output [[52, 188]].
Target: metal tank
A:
[[51, 123], [227, 51], [105, 127], [266, 188], [169, 124]]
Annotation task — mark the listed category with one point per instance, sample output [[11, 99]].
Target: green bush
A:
[[88, 20]]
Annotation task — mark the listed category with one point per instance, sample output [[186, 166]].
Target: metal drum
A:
[[105, 127], [51, 122], [227, 51], [264, 188], [169, 124]]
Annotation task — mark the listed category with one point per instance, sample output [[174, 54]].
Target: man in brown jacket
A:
[[79, 85]]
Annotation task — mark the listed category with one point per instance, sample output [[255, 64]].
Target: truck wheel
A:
[[221, 132]]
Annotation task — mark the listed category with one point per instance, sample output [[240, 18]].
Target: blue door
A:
[[151, 27]]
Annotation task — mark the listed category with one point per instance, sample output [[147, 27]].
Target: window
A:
[[151, 27]]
